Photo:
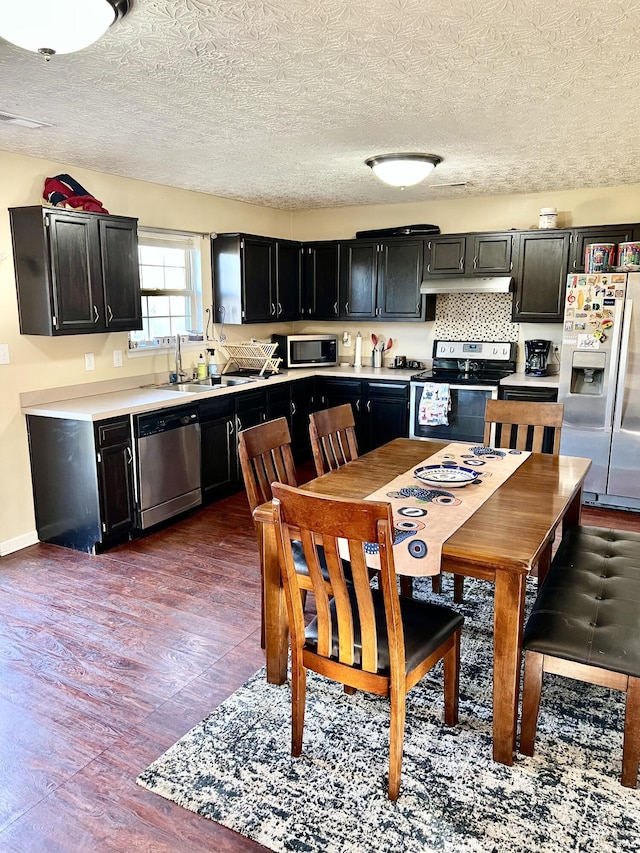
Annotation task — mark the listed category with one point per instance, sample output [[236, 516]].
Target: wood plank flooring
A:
[[106, 661]]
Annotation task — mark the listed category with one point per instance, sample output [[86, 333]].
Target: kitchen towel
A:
[[435, 403], [425, 515]]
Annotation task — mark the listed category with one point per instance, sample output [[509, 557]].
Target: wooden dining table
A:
[[504, 541]]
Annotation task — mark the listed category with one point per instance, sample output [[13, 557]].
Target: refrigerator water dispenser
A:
[[587, 373]]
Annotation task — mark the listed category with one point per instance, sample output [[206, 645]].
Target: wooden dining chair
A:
[[265, 457], [363, 638], [519, 425], [333, 438]]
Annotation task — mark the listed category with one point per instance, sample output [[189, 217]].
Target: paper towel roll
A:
[[357, 358]]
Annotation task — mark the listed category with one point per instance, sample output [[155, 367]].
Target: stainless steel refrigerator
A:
[[600, 384]]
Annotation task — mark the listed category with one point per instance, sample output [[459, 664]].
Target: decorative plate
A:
[[451, 476]]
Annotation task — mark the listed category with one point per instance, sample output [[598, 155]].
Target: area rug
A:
[[235, 767]]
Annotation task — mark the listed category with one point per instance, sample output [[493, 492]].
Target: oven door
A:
[[466, 413]]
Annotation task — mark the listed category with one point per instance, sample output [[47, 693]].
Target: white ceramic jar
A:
[[548, 217]]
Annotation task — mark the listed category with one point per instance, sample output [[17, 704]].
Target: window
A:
[[171, 287]]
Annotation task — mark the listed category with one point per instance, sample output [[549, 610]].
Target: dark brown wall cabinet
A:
[[321, 275], [75, 272], [469, 255], [382, 280], [256, 279], [543, 261], [91, 466]]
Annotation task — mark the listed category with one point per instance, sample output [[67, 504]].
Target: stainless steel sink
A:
[[188, 387], [237, 380]]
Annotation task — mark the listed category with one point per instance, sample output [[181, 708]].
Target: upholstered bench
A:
[[585, 624]]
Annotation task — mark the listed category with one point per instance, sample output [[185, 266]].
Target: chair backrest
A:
[[265, 458], [333, 438], [342, 527], [522, 425]]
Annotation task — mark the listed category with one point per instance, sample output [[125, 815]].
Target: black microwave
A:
[[306, 350]]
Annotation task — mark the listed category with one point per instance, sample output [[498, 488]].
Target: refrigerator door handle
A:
[[613, 367], [622, 367]]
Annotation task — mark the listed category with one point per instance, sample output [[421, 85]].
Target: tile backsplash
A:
[[487, 314]]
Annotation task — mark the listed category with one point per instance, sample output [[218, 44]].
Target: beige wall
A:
[[40, 362]]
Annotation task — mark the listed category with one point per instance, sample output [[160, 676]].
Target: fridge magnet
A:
[[617, 279], [568, 326], [607, 324], [570, 312], [580, 327], [609, 301], [619, 294], [600, 336], [588, 342], [596, 306], [571, 298]]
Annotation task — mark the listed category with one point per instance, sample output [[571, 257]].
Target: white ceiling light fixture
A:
[[58, 26], [403, 170]]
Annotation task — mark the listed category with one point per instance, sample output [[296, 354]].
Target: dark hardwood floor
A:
[[107, 660]]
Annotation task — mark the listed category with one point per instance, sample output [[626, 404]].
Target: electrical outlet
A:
[[4, 353], [117, 358], [89, 361]]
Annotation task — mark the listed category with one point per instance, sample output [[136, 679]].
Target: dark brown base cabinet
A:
[[75, 272], [380, 408], [222, 419], [82, 475]]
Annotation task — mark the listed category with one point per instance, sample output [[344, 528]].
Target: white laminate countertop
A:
[[109, 399], [524, 380], [96, 402]]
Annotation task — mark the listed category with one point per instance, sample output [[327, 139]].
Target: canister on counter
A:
[[600, 257], [628, 255]]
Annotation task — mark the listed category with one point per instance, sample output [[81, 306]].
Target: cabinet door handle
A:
[[429, 266], [418, 306], [279, 309], [510, 266], [293, 408], [357, 405], [475, 262], [273, 310], [238, 423], [110, 313], [230, 427], [575, 265], [461, 264], [518, 307], [95, 314], [335, 308], [129, 456], [346, 307], [369, 406]]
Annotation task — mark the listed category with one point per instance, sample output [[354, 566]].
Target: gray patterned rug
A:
[[235, 767]]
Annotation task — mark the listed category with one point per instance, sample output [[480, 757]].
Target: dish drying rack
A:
[[252, 356]]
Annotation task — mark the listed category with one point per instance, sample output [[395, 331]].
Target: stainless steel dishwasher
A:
[[167, 447]]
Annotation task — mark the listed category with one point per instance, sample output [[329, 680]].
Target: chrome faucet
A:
[[180, 374]]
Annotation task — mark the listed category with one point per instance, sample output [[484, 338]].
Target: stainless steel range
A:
[[472, 370]]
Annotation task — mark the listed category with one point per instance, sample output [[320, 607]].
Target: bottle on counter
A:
[[357, 358], [202, 367]]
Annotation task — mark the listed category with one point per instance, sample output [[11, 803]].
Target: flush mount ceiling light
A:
[[58, 26], [403, 170]]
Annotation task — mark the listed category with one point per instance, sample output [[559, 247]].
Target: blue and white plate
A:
[[450, 476]]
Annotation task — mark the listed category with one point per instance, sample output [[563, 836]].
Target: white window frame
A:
[[191, 243]]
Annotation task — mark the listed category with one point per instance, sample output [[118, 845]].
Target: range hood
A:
[[455, 284]]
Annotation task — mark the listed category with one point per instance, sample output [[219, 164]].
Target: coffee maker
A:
[[537, 357]]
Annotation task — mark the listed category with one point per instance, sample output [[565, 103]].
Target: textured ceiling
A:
[[279, 102]]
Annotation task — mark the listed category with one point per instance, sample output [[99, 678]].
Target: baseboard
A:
[[11, 545]]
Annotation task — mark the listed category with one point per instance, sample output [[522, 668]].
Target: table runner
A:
[[425, 516]]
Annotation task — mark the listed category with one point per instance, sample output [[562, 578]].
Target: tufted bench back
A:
[[585, 624]]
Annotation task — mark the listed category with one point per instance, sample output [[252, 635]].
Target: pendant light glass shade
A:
[[58, 26], [403, 170]]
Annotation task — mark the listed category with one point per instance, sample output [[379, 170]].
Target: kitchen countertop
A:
[[109, 399], [523, 379]]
